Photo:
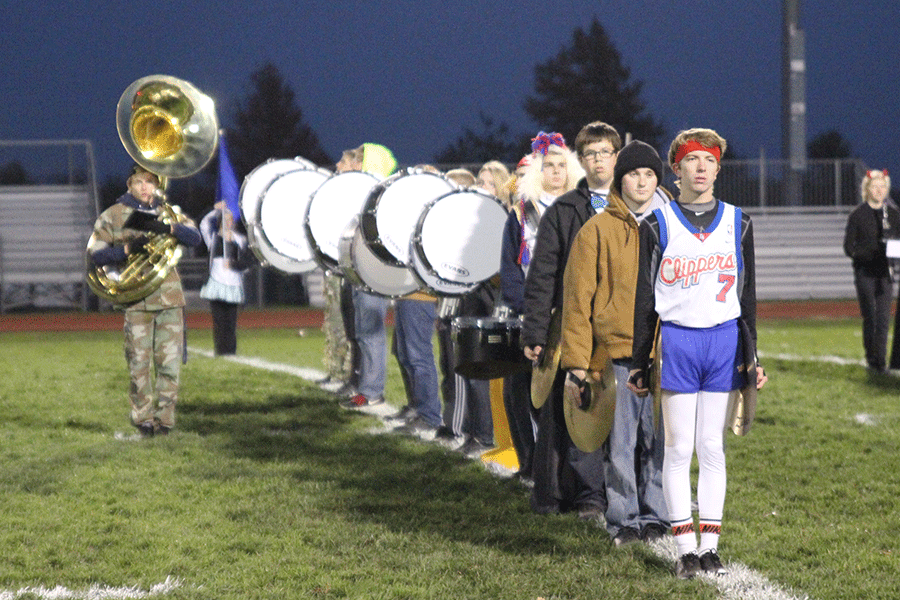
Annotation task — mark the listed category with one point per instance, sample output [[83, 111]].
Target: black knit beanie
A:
[[636, 155]]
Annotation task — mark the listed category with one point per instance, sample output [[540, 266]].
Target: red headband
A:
[[872, 173], [694, 145]]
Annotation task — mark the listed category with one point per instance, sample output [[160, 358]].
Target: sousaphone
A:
[[170, 128]]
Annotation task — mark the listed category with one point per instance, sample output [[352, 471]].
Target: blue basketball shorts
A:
[[701, 360]]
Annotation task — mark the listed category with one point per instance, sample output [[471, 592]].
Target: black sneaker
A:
[[446, 438], [711, 563], [653, 531], [474, 448], [404, 415], [687, 566], [146, 429], [626, 535], [591, 512], [418, 427]]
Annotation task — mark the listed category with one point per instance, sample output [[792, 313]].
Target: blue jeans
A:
[[414, 328], [371, 337], [634, 489]]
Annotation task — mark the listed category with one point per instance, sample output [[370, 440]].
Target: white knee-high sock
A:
[[679, 411]]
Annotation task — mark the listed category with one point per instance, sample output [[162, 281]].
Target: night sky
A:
[[413, 74]]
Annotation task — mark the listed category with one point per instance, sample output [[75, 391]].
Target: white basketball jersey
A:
[[697, 283]]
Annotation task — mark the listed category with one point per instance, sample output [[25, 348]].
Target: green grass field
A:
[[269, 490]]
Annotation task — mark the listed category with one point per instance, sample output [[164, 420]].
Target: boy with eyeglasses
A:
[[565, 478]]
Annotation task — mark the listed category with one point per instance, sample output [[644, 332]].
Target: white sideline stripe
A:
[[835, 360], [95, 592], [259, 363], [740, 583]]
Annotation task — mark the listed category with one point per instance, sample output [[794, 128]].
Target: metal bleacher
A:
[[44, 231], [800, 253]]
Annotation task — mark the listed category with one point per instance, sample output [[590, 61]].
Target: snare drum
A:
[[280, 219], [331, 208], [366, 270], [487, 347], [388, 219], [457, 241]]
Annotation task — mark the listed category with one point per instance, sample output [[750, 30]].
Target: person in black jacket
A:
[[869, 227], [565, 478]]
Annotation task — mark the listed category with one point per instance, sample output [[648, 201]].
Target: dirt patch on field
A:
[[312, 317]]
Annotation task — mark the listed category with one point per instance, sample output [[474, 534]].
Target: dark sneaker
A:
[[146, 429], [404, 415], [711, 563], [446, 438], [626, 535], [474, 448], [163, 430], [687, 566], [591, 512], [360, 401], [417, 427], [653, 531]]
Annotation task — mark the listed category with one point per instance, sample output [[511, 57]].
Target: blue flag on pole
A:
[[227, 188]]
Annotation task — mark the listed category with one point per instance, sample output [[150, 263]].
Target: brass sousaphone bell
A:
[[170, 128]]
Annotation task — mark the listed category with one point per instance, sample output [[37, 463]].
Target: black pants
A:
[[565, 478], [519, 411], [875, 295], [224, 317]]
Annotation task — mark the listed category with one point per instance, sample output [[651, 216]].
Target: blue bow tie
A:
[[598, 201]]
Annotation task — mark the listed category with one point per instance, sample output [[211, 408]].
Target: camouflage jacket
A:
[[107, 246]]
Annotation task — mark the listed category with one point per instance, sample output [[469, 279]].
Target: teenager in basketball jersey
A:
[[695, 278]]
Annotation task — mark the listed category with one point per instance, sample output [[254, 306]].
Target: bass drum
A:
[[457, 241], [255, 183], [364, 269], [280, 219], [332, 207], [388, 219]]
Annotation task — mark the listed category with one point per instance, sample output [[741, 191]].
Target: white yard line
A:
[[95, 592]]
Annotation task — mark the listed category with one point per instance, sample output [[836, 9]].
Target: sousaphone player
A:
[[169, 129]]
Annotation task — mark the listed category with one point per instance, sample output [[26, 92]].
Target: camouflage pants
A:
[[154, 344], [338, 356]]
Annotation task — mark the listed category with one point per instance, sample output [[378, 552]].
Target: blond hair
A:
[[500, 175], [867, 179], [461, 177], [531, 185]]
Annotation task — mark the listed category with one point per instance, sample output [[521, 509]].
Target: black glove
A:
[[144, 221], [139, 245], [579, 390]]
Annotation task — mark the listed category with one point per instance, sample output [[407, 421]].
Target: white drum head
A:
[[364, 269], [398, 208], [281, 214], [256, 182], [434, 284], [458, 237], [332, 207]]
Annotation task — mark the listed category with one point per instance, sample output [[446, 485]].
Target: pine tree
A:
[[587, 82], [269, 124]]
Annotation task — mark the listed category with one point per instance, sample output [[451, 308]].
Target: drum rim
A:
[[353, 273], [306, 264], [415, 241], [325, 261]]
